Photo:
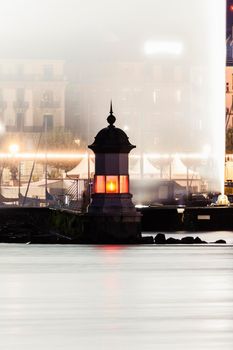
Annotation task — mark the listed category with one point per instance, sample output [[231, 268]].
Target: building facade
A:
[[30, 91], [229, 97], [229, 80]]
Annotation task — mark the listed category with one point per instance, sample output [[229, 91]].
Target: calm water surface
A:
[[114, 297]]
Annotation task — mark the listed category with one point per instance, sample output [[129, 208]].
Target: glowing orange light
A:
[[110, 247], [111, 187], [124, 184], [231, 7], [99, 184], [112, 184]]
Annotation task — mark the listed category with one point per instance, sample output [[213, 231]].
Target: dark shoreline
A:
[[50, 226]]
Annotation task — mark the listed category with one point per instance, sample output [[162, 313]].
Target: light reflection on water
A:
[[116, 297]]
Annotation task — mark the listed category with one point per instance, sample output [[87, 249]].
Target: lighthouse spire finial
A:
[[111, 119], [111, 112]]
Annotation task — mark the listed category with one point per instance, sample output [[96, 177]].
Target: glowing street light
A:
[[14, 148], [77, 141]]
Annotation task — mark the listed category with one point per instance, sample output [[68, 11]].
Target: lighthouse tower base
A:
[[112, 219], [112, 229]]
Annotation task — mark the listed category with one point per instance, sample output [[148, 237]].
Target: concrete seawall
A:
[[22, 224], [39, 225], [44, 225], [192, 219]]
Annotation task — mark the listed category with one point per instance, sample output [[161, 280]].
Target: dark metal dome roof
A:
[[111, 139]]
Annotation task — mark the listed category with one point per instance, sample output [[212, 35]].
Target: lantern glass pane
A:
[[112, 185], [124, 184], [99, 184]]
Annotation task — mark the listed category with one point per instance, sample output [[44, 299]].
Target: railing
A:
[[20, 106], [49, 104], [30, 77], [73, 198], [13, 128]]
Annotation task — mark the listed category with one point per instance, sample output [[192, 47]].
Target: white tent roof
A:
[[81, 170], [178, 168], [149, 168]]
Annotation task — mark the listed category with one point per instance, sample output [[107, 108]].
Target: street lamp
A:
[[14, 149], [77, 141]]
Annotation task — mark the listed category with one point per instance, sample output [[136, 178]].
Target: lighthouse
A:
[[111, 215]]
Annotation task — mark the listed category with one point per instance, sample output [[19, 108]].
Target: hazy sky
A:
[[79, 28]]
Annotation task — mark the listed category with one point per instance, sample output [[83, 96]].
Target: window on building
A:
[[19, 122], [48, 71], [20, 94], [48, 122], [19, 70], [48, 96]]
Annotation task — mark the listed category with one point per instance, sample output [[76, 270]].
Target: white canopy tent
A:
[[81, 170]]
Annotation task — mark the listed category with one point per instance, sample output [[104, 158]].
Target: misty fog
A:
[[161, 62]]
